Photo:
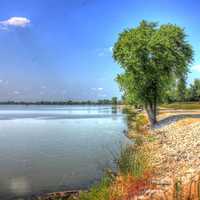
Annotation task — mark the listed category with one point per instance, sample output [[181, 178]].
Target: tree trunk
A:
[[151, 112]]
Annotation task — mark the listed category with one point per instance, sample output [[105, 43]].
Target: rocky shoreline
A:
[[177, 150], [61, 194], [175, 157]]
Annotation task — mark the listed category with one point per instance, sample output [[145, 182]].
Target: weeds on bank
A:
[[178, 188], [133, 177], [133, 167], [133, 161], [134, 173], [126, 187], [97, 192], [138, 127]]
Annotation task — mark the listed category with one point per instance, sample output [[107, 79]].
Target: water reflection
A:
[[67, 152], [19, 186]]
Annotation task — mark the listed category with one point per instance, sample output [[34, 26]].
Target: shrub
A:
[[141, 123]]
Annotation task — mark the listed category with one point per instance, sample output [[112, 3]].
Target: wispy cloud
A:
[[16, 92], [97, 89], [196, 68], [104, 51], [43, 87], [102, 95], [111, 49], [14, 22]]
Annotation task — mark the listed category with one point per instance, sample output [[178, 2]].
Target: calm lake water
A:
[[50, 148]]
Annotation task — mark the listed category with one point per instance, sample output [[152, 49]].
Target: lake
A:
[[51, 148]]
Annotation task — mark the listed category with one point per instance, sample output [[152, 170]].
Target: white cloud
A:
[[196, 68], [100, 88], [102, 95], [105, 51], [111, 49], [44, 87], [16, 92], [1, 81], [101, 54], [15, 21]]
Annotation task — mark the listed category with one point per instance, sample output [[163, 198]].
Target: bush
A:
[[141, 123]]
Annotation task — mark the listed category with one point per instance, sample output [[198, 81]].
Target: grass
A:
[[138, 129], [182, 105], [132, 177], [133, 172], [97, 192], [133, 161], [127, 187]]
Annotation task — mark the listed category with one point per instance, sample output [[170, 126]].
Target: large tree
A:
[[152, 57]]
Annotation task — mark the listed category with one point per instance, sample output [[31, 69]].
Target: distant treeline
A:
[[178, 91], [181, 92], [112, 101]]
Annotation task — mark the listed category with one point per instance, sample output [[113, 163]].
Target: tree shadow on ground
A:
[[174, 118]]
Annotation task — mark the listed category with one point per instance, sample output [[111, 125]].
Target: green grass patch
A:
[[151, 138], [97, 192], [133, 161], [183, 106]]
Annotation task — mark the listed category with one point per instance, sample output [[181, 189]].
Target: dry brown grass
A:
[[188, 121], [126, 187]]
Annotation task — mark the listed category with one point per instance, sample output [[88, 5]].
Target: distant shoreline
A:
[[99, 102]]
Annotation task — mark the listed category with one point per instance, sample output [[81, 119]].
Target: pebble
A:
[[179, 152]]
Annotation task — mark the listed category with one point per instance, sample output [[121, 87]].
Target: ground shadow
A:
[[174, 118]]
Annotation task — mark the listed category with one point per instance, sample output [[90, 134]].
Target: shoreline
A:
[[167, 152]]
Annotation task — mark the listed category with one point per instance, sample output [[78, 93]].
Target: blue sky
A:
[[62, 49]]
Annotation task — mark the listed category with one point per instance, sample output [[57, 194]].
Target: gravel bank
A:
[[177, 150]]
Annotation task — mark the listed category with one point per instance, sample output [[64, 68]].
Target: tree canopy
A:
[[152, 57]]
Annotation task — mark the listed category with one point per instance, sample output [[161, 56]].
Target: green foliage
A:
[[194, 90], [152, 57], [140, 121], [151, 138], [97, 192], [178, 190], [114, 100], [170, 94], [184, 106], [181, 89], [132, 161], [180, 93]]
